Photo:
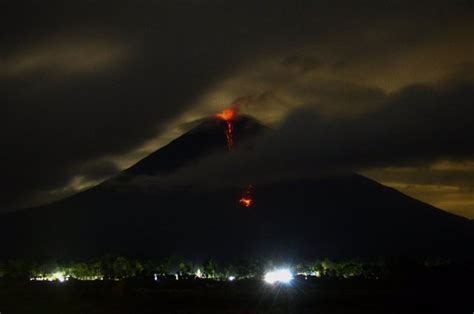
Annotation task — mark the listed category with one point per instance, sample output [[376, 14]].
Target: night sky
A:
[[383, 88]]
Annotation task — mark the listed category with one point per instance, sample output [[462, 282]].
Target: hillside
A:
[[345, 215]]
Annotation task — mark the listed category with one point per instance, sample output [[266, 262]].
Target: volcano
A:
[[341, 216]]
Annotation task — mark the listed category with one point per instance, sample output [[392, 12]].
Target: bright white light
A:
[[199, 273], [231, 278], [59, 276], [282, 275]]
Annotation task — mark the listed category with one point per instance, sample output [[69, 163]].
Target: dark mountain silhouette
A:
[[336, 216], [195, 144]]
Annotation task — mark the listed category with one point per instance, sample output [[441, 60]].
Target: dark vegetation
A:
[[112, 267], [388, 286]]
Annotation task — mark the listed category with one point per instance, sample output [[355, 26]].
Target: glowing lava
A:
[[246, 200], [228, 115]]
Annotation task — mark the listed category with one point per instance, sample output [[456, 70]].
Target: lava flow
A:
[[228, 115], [246, 199], [247, 202]]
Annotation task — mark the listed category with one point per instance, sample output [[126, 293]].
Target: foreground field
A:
[[449, 296]]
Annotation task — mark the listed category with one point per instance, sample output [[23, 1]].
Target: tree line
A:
[[112, 267]]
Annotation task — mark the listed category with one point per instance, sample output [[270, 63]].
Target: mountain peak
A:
[[206, 138]]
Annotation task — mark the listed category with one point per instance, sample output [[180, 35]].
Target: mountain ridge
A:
[[345, 215]]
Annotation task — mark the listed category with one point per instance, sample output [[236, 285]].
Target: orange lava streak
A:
[[228, 135], [228, 115]]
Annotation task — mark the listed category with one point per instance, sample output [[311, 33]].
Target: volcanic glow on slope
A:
[[228, 115], [246, 199], [247, 202]]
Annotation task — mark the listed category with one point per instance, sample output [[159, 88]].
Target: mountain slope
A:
[[207, 138], [338, 216]]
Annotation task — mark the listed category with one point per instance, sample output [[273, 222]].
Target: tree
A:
[[17, 269], [350, 269], [125, 268], [210, 268], [83, 271], [316, 267], [184, 268], [329, 268], [2, 270], [229, 270]]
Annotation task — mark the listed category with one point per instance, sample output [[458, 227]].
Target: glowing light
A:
[[247, 202], [59, 276], [231, 278], [282, 275], [228, 115], [311, 274], [199, 273], [56, 276]]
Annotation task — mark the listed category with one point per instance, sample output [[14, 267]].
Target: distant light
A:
[[311, 274], [282, 275], [155, 276], [199, 273], [59, 276], [231, 278]]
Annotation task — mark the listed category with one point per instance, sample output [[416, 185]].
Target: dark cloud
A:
[[428, 176], [446, 185], [88, 81], [418, 125]]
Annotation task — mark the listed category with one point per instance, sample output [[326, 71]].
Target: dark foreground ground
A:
[[345, 296]]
